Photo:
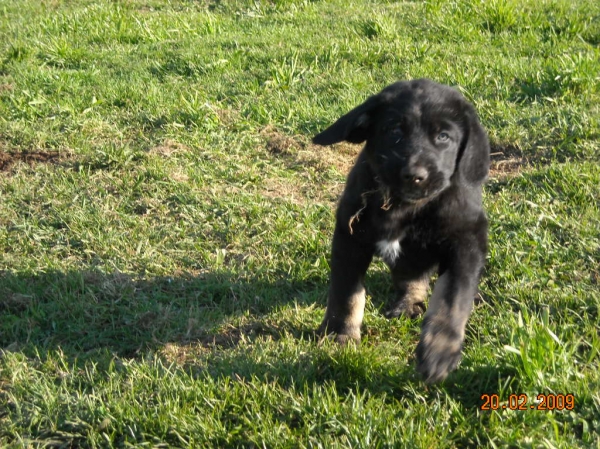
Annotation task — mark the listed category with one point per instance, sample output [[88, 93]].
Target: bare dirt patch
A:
[[187, 350], [298, 154], [8, 159], [168, 148], [298, 150], [230, 336], [278, 144], [506, 161], [341, 155]]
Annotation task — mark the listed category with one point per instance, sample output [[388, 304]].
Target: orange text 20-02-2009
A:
[[523, 402]]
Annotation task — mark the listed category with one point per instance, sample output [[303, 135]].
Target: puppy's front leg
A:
[[346, 299], [443, 328]]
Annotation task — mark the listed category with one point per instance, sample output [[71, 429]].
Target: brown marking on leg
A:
[[410, 298], [343, 323]]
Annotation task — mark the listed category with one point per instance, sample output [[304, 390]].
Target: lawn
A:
[[165, 224]]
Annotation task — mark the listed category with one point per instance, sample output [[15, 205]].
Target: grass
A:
[[165, 223]]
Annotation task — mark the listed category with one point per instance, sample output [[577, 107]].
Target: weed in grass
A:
[[540, 352]]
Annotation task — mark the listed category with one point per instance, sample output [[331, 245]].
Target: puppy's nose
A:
[[416, 174]]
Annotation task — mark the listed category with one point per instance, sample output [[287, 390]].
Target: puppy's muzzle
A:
[[414, 175]]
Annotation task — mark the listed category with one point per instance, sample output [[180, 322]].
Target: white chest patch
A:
[[389, 250]]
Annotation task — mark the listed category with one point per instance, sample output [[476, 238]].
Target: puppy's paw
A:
[[438, 352], [339, 332], [406, 308], [410, 298]]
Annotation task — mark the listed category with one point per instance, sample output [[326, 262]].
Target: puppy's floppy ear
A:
[[353, 127], [474, 159]]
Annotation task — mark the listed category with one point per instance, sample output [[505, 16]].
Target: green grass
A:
[[165, 223]]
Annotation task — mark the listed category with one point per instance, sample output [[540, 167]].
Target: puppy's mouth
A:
[[403, 195], [418, 199], [426, 194]]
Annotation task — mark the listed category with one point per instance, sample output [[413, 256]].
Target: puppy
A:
[[414, 198]]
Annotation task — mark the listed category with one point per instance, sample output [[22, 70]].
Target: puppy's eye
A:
[[396, 130], [443, 137]]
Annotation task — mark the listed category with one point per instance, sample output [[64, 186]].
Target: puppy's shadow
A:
[[83, 312], [89, 315]]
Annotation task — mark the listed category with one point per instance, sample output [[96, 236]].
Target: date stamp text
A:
[[523, 402]]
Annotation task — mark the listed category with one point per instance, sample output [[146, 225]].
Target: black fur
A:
[[413, 197]]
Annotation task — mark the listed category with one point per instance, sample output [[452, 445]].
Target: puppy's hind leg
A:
[[410, 296], [346, 299], [410, 289]]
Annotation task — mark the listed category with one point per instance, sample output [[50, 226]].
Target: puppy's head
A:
[[420, 138]]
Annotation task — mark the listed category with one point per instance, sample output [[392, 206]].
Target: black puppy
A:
[[414, 199]]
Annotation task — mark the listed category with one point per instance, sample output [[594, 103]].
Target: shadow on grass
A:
[[91, 316], [102, 320], [81, 311]]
